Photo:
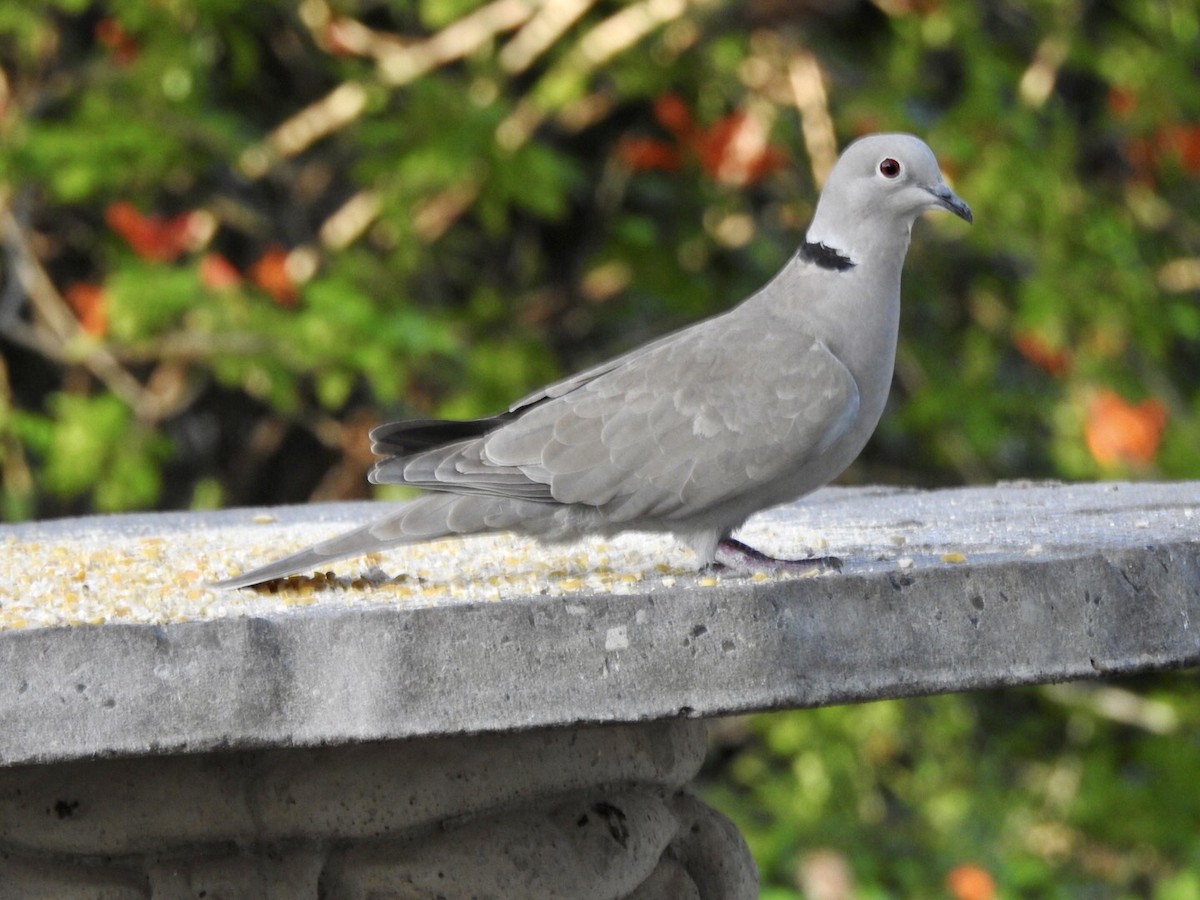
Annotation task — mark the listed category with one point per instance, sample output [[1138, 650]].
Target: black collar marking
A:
[[825, 257]]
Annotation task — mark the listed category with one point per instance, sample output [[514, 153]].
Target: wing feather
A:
[[687, 422]]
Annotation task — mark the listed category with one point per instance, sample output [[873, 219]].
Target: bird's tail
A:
[[427, 518], [353, 543]]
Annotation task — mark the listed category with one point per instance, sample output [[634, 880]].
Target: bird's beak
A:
[[947, 199]]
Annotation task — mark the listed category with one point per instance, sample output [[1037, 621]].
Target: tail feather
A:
[[424, 519], [415, 435], [353, 543], [427, 518]]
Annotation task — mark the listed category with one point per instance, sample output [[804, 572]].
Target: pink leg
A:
[[733, 553]]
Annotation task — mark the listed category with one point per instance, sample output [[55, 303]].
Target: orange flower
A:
[[1183, 141], [217, 273], [155, 237], [270, 273], [1119, 433], [88, 302], [643, 154], [970, 882], [733, 150], [1122, 101], [672, 114], [112, 34], [1055, 360], [1145, 155]]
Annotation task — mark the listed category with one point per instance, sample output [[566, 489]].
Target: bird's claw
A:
[[733, 553]]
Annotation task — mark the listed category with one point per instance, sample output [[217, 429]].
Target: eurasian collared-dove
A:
[[693, 432]]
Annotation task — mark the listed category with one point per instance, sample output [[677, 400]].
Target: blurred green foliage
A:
[[1065, 792], [236, 234]]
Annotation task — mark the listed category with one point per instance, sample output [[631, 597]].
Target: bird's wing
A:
[[571, 382], [684, 424]]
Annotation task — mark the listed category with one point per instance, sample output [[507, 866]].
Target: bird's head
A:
[[879, 186]]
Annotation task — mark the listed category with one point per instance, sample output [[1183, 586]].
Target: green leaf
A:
[[97, 447]]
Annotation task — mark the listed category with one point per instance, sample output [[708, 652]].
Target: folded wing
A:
[[686, 423]]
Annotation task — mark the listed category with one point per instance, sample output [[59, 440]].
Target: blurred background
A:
[[233, 236]]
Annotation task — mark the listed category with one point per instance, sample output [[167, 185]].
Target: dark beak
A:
[[947, 199]]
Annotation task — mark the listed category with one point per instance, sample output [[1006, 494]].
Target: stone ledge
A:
[[942, 591]]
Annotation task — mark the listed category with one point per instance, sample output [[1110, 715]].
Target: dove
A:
[[693, 432]]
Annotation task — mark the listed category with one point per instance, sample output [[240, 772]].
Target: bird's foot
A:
[[733, 553]]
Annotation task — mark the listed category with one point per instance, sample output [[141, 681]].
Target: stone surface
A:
[[701, 850], [942, 591], [114, 807], [590, 846], [505, 720], [58, 879], [590, 813]]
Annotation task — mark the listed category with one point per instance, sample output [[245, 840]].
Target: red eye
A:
[[889, 168]]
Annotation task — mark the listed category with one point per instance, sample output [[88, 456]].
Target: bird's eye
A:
[[889, 168]]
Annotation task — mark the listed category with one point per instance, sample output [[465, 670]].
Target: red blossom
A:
[[672, 114], [159, 238], [644, 154], [1122, 101], [733, 150], [1121, 433], [217, 273], [270, 272], [970, 882], [1146, 155], [1182, 142], [112, 34], [89, 303], [1055, 360]]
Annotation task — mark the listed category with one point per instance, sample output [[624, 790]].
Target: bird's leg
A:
[[732, 553]]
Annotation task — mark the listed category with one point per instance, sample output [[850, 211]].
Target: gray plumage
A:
[[696, 431]]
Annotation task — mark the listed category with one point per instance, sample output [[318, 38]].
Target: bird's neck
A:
[[844, 287], [847, 245], [824, 257]]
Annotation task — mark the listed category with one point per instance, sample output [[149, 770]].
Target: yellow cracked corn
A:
[[101, 576]]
